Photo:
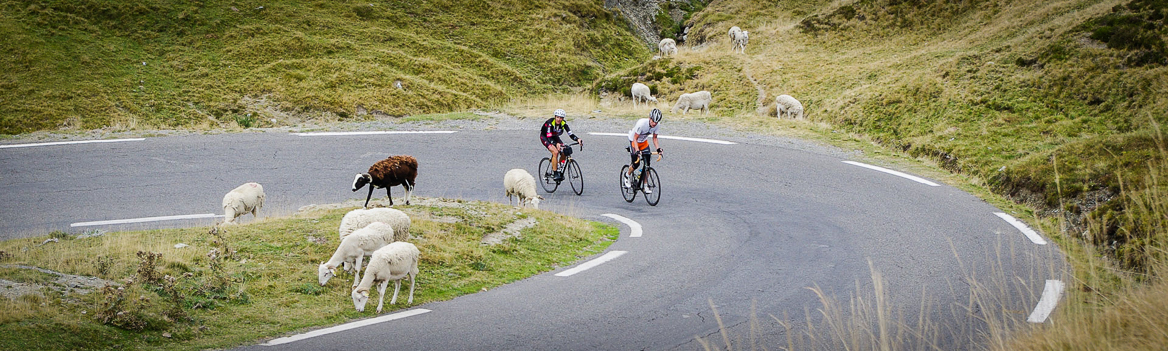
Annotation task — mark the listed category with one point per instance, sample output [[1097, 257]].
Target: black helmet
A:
[[655, 116]]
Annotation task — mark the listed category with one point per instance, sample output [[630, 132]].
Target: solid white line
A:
[[344, 327], [895, 173], [71, 142], [712, 141], [634, 227], [1050, 297], [593, 263], [145, 219], [381, 132], [1030, 233]]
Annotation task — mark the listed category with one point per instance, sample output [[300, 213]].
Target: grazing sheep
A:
[[359, 218], [243, 199], [699, 100], [521, 184], [354, 248], [390, 172], [785, 104], [394, 262], [738, 39], [667, 47], [641, 92]]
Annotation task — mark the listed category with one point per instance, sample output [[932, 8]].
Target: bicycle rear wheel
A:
[[545, 176], [653, 185], [575, 177], [629, 193]]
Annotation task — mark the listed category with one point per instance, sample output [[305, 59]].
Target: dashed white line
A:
[[895, 173], [1046, 304], [593, 263], [1030, 233], [71, 142], [634, 227], [145, 219], [344, 327], [712, 141], [380, 132]]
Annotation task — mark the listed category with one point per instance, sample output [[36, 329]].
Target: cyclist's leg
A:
[[551, 147]]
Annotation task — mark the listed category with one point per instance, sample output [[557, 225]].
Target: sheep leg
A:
[[396, 288], [367, 197], [357, 270], [389, 194], [409, 191], [411, 300], [381, 293]]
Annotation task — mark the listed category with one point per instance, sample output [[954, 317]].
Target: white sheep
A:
[[785, 104], [667, 47], [699, 100], [394, 262], [738, 39], [521, 184], [354, 248], [246, 198], [359, 218], [641, 93]]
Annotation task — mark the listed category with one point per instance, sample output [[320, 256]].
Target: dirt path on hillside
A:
[[760, 103]]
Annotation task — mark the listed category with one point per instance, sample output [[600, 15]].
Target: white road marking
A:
[[70, 142], [634, 227], [1046, 304], [593, 263], [712, 141], [145, 219], [1030, 233], [346, 326], [380, 132], [895, 173]]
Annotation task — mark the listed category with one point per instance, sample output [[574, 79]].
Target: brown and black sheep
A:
[[390, 172]]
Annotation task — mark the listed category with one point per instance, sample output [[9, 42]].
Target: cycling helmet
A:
[[560, 113], [655, 116]]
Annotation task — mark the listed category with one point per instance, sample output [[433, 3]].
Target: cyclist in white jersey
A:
[[639, 141]]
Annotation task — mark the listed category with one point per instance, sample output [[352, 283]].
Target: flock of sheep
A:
[[379, 233], [785, 105], [382, 233]]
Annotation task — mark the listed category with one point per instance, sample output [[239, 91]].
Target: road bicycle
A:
[[570, 168], [644, 180]]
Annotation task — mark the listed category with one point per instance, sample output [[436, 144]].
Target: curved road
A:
[[738, 225]]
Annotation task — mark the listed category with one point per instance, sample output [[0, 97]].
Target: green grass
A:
[[209, 64], [267, 286]]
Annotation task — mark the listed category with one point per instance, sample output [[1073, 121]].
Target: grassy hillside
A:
[[98, 63]]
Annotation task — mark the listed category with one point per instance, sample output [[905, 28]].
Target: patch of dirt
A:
[[65, 283], [510, 231]]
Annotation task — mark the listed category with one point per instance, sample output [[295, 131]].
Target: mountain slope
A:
[[98, 63]]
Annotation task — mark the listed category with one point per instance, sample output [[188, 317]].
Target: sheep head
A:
[[535, 201], [361, 180], [324, 272], [653, 99], [360, 298]]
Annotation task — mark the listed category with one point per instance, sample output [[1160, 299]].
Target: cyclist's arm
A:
[[569, 131], [655, 145]]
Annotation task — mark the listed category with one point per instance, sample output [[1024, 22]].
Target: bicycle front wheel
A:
[[575, 177], [628, 192], [652, 187], [545, 176]]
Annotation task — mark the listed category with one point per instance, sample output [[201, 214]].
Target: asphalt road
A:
[[742, 226]]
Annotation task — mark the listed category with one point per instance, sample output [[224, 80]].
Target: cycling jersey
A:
[[641, 131], [551, 131]]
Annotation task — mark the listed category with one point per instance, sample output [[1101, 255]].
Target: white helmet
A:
[[560, 113]]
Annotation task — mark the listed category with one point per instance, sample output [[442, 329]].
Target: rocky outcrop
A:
[[642, 15]]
